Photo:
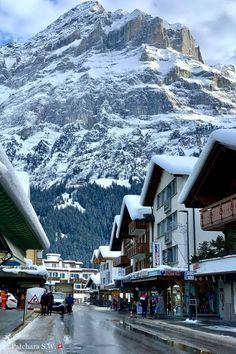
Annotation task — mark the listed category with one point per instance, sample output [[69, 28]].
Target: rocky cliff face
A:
[[97, 93]]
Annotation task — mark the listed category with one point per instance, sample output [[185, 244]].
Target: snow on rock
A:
[[96, 94]]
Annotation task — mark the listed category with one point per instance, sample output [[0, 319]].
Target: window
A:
[[74, 275], [77, 286], [168, 224], [55, 274], [62, 275], [85, 276], [170, 255], [168, 192]]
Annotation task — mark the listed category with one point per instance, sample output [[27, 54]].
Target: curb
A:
[[177, 344], [23, 324]]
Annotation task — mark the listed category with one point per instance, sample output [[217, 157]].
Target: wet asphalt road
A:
[[91, 331]]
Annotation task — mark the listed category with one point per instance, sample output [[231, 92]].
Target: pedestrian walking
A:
[[22, 301], [144, 303], [50, 303], [69, 303], [4, 297], [44, 303], [156, 304], [192, 307]]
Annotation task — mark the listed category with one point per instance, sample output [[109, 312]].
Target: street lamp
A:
[[188, 261], [187, 224]]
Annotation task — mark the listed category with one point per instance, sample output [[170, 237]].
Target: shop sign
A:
[[196, 266], [175, 274], [156, 254], [189, 275]]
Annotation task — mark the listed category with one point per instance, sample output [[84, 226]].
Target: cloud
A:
[[212, 22]]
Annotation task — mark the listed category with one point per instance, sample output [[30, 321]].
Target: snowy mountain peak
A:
[[96, 94]]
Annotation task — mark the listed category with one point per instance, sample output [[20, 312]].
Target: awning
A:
[[16, 252], [19, 223]]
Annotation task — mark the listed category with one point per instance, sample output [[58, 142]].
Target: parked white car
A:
[[11, 301]]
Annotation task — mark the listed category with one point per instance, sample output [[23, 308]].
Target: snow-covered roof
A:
[[34, 270], [114, 229], [11, 185], [24, 181], [175, 165], [105, 253], [226, 137], [94, 256], [135, 209], [150, 272], [95, 278]]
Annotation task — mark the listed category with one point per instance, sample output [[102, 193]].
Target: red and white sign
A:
[[33, 297], [156, 254]]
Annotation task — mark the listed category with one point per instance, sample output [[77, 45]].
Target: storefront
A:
[[215, 287], [169, 285]]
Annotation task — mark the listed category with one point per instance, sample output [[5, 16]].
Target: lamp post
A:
[[187, 225], [188, 261]]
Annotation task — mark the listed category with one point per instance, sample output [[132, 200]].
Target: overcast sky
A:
[[212, 22]]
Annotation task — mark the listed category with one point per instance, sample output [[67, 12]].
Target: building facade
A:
[[68, 272], [211, 186]]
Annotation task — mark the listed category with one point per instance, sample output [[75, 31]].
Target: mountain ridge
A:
[[96, 93]]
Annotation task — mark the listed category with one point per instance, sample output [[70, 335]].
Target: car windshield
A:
[[59, 296]]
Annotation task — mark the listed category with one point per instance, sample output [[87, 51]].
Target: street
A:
[[89, 330]]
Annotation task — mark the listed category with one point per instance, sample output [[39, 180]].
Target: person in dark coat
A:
[[69, 303], [44, 303], [144, 303], [50, 303]]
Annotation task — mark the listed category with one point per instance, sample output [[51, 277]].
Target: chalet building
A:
[[68, 272], [212, 187], [175, 231], [109, 275], [93, 287], [130, 235]]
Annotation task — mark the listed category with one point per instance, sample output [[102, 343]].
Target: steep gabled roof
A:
[[104, 253], [115, 243], [94, 259], [131, 209], [175, 165], [213, 177]]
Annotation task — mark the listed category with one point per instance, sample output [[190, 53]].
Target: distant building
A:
[[68, 271]]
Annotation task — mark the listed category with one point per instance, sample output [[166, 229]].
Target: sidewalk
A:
[[202, 336], [39, 335]]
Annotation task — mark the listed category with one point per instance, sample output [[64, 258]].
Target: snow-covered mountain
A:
[[97, 93]]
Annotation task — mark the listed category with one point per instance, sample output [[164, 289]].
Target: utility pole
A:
[[188, 260]]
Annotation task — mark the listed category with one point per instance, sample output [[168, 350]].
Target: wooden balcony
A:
[[216, 215], [121, 261], [137, 228], [138, 250]]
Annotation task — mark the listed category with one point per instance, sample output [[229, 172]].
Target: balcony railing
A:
[[121, 261], [137, 228], [216, 215], [138, 250]]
